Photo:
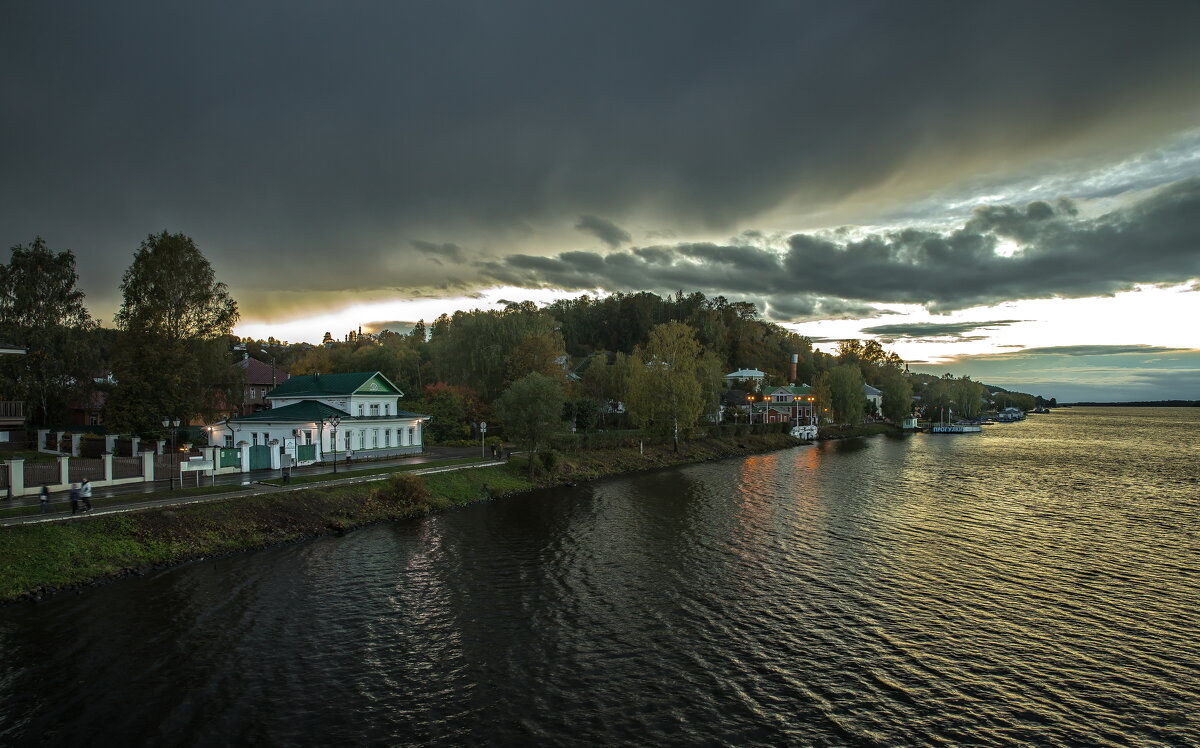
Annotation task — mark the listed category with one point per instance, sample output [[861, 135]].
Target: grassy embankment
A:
[[41, 558]]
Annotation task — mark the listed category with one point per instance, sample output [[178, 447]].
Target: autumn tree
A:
[[666, 390], [41, 309], [177, 318], [846, 393]]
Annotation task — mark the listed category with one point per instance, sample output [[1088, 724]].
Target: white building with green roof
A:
[[323, 416]]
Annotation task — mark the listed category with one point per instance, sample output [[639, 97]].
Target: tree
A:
[[452, 408], [530, 410], [665, 393], [177, 320], [846, 393], [41, 309], [897, 394]]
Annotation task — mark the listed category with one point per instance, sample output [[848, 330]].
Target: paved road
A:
[[60, 513], [62, 498]]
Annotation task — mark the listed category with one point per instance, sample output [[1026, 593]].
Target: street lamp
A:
[[173, 423], [333, 421]]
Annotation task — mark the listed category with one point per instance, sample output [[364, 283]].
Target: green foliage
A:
[[530, 410], [846, 399], [453, 410], [174, 358], [666, 392], [897, 394], [41, 309]]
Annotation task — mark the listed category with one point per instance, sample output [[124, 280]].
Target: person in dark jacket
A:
[[74, 498], [44, 500]]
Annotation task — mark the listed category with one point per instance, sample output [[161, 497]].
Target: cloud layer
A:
[[1052, 252], [302, 145]]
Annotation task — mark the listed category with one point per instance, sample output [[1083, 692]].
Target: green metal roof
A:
[[331, 385], [305, 411], [802, 389]]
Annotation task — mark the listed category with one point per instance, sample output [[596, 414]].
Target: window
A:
[[410, 435], [254, 438], [387, 437], [374, 410], [360, 410], [266, 437], [228, 441], [374, 438], [253, 392], [348, 437], [385, 409]]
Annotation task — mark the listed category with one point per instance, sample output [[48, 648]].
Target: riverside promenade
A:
[[133, 497]]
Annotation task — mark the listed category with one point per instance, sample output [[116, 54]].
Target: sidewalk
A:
[[60, 511]]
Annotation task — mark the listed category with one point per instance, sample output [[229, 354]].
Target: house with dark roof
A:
[[261, 378], [317, 416]]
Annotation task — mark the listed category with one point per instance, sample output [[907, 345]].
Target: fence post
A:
[[110, 443], [75, 438], [276, 463], [147, 467], [16, 477], [64, 469], [108, 469], [245, 448]]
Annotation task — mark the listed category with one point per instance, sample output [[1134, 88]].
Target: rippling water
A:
[[1035, 584]]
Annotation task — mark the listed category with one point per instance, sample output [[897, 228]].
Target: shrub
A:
[[404, 489]]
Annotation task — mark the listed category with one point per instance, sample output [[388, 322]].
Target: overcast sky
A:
[[967, 181]]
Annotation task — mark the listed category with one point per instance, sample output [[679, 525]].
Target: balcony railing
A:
[[12, 409]]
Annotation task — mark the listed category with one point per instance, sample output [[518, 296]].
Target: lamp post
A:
[[333, 422], [173, 423]]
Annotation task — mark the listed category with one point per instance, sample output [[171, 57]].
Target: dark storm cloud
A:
[[1154, 240], [926, 331], [302, 142], [604, 230], [447, 251]]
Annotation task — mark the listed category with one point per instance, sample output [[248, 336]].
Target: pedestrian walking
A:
[[85, 494], [74, 498], [44, 500], [349, 458]]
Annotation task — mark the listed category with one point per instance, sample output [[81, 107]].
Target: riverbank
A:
[[825, 433], [36, 560]]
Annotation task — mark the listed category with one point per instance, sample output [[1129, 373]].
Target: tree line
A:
[[629, 359]]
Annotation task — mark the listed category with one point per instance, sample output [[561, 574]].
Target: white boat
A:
[[804, 432]]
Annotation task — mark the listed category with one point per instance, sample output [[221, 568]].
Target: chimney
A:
[[792, 370]]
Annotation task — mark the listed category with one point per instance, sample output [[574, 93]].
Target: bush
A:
[[549, 460], [404, 489]]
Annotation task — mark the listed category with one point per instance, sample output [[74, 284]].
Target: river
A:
[[1034, 584]]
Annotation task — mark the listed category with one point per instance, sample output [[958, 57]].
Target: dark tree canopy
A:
[[177, 318], [41, 309]]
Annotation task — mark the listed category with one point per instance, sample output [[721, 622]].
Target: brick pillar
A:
[[64, 470], [108, 471], [245, 448]]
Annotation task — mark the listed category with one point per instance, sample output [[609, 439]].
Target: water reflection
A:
[[910, 591]]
